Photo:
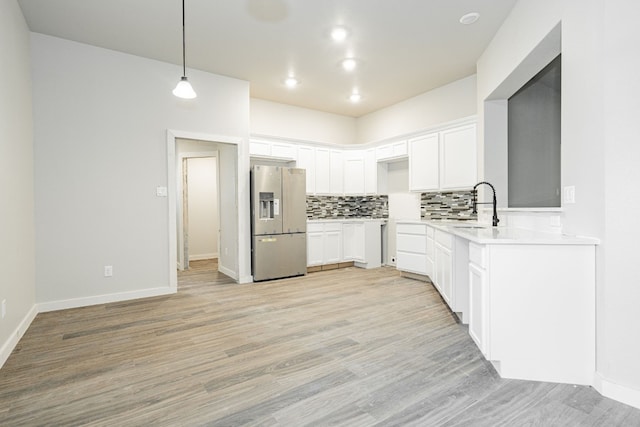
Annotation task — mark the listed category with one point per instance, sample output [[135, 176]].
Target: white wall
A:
[[291, 122], [203, 208], [445, 104], [17, 253], [101, 120], [599, 153], [619, 298]]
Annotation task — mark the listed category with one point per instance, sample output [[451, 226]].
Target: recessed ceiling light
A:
[[349, 64], [339, 34], [355, 97], [291, 82], [469, 18]]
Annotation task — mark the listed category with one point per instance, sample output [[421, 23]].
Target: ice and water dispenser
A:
[[269, 206]]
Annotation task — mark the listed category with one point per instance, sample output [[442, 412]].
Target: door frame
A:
[[241, 272]]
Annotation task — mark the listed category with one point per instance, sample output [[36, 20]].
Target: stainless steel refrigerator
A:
[[278, 222]]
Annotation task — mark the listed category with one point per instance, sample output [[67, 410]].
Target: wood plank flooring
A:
[[346, 347]]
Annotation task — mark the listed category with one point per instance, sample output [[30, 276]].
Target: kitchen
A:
[[598, 159]]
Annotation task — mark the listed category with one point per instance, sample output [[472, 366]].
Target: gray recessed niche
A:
[[534, 140]]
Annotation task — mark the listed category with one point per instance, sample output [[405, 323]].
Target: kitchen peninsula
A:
[[528, 297]]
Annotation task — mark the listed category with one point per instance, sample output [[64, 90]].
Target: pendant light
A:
[[184, 89]]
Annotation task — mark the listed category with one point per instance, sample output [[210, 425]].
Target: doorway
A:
[[200, 207], [234, 258]]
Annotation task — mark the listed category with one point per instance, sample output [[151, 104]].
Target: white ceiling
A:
[[406, 47]]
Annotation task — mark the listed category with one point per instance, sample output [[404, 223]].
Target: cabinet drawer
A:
[[445, 239], [414, 263], [412, 243], [333, 226], [314, 227], [411, 229], [477, 255]]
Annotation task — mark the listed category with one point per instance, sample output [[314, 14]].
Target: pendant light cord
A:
[[184, 55]]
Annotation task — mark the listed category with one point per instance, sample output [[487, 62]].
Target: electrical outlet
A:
[[4, 308], [108, 270]]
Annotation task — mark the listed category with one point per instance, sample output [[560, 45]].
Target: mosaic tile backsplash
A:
[[329, 207], [451, 205]]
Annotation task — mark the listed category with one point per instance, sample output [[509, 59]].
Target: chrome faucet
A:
[[493, 202]]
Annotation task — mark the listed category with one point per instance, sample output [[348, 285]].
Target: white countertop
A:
[[487, 235]]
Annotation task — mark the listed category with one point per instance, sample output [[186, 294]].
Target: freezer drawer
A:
[[279, 255]]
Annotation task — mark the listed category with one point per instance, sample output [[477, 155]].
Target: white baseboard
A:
[[624, 394], [228, 272], [10, 344], [200, 257], [104, 299]]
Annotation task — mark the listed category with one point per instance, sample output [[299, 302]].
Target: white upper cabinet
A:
[[458, 165], [306, 160], [444, 160], [424, 158], [275, 150], [391, 151], [283, 151], [336, 178], [370, 172], [259, 148], [323, 171], [354, 172], [438, 161]]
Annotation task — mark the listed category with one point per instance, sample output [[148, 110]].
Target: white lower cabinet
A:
[[411, 248], [332, 246], [340, 241], [431, 252], [532, 310], [353, 241], [324, 243], [478, 302], [362, 243], [444, 266], [315, 247], [421, 249]]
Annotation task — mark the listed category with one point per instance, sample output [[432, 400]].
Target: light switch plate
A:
[[569, 194], [161, 191]]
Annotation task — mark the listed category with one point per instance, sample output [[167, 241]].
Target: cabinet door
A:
[[336, 173], [478, 309], [359, 242], [306, 160], [354, 173], [315, 248], [399, 149], [323, 171], [444, 272], [424, 171], [259, 148], [430, 266], [384, 152], [283, 151], [458, 165], [332, 247], [370, 172], [348, 241]]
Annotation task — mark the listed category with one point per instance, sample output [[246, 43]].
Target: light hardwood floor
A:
[[345, 347]]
